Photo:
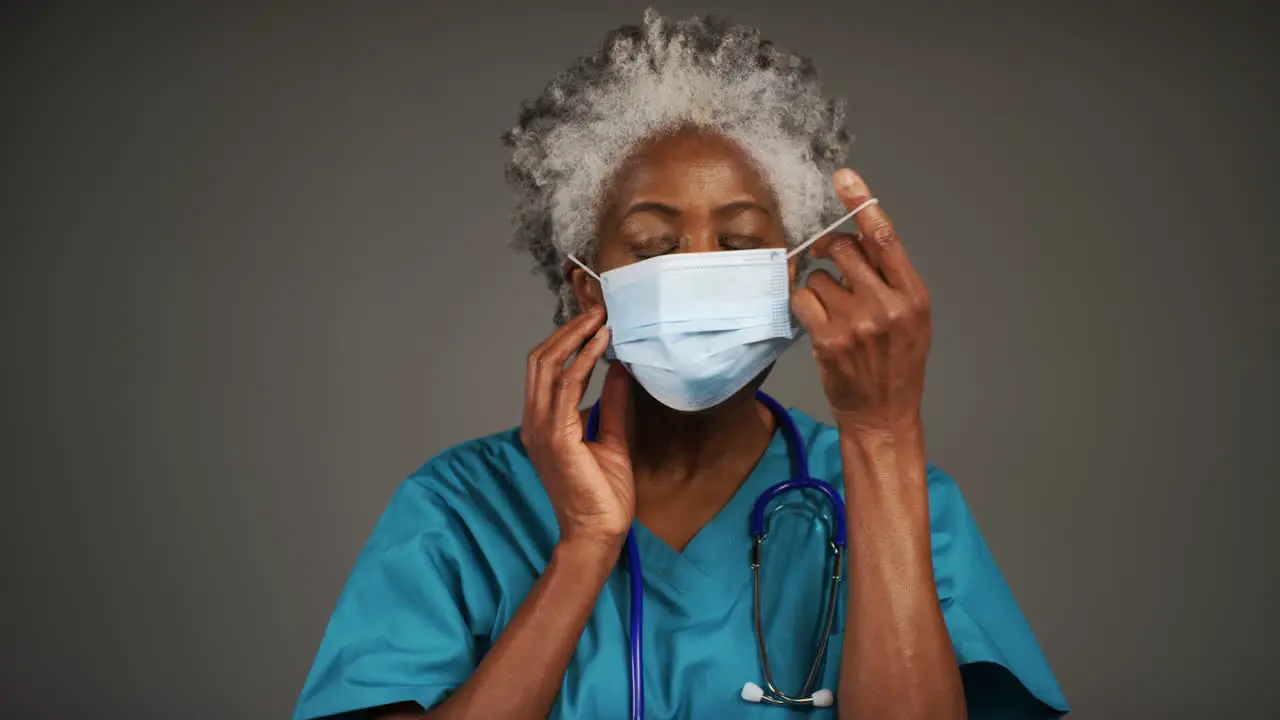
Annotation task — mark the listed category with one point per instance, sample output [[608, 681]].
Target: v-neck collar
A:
[[727, 531]]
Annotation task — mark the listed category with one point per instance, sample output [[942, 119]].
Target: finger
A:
[[573, 382], [537, 359], [841, 303], [546, 361], [862, 250], [822, 247], [615, 408], [833, 296], [809, 310], [848, 255], [879, 237]]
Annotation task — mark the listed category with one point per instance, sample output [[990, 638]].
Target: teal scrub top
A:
[[466, 536]]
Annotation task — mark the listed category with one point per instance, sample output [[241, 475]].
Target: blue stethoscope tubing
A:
[[800, 480]]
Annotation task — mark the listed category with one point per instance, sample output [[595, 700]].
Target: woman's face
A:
[[685, 192]]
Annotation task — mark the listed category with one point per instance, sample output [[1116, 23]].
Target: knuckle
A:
[[867, 327], [825, 344], [899, 314], [533, 359], [843, 246], [895, 319], [882, 233], [909, 312]]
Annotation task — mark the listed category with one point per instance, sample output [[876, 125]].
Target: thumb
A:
[[615, 408]]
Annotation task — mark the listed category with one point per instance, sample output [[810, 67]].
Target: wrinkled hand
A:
[[870, 332], [590, 484]]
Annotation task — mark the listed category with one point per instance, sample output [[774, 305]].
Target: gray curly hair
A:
[[656, 77]]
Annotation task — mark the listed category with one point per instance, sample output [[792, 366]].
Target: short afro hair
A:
[[645, 80]]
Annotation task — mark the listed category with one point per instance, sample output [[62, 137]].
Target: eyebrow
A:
[[729, 209], [653, 207], [741, 206]]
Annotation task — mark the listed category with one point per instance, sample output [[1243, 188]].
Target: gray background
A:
[[254, 273]]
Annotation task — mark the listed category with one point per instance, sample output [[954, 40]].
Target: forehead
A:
[[689, 167]]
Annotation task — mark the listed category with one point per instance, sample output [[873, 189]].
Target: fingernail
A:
[[846, 179]]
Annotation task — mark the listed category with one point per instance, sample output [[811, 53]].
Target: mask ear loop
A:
[[589, 271], [805, 245]]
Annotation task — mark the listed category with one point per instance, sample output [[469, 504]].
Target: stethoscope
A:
[[751, 692]]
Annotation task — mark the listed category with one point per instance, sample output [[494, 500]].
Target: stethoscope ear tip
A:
[[824, 698], [752, 692]]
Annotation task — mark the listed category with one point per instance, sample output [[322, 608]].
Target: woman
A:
[[662, 181]]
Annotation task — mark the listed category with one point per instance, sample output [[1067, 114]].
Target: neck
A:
[[672, 446]]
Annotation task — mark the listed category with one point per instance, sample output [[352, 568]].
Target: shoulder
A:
[[467, 485], [479, 467]]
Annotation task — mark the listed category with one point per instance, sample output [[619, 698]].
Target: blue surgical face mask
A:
[[695, 328]]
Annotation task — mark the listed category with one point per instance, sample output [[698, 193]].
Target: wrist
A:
[[881, 439], [885, 468], [588, 553], [859, 427]]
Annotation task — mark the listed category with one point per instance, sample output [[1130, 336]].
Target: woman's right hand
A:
[[590, 484]]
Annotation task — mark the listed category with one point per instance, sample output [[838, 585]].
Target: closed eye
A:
[[740, 242], [654, 248]]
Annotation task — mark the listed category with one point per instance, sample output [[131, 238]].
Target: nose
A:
[[699, 234]]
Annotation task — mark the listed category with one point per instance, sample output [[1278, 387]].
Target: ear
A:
[[586, 289]]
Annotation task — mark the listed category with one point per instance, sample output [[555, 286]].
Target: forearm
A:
[[521, 674], [897, 660]]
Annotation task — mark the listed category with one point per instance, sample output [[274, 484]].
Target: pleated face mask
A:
[[695, 328]]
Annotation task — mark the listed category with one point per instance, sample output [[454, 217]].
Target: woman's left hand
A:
[[870, 332]]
